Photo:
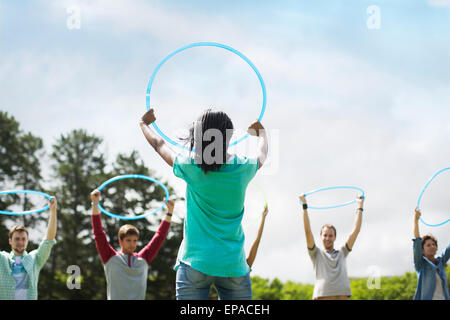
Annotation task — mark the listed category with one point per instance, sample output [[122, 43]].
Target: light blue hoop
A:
[[132, 176], [25, 192], [204, 44], [332, 188], [421, 194]]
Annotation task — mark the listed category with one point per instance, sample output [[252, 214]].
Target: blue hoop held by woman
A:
[[421, 194], [204, 44]]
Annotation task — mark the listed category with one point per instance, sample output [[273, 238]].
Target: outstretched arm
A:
[[417, 214], [150, 251], [170, 204], [42, 253], [254, 249], [154, 140], [51, 230], [417, 242], [104, 249], [257, 129], [357, 226], [308, 233]]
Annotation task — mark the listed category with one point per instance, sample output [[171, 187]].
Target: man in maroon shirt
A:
[[127, 271]]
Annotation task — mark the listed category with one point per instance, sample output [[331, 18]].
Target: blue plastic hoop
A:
[[332, 188], [132, 176], [421, 194], [25, 192], [204, 44]]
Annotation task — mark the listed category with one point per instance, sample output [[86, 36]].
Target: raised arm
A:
[[357, 226], [42, 253], [104, 249], [308, 233], [417, 242], [417, 214], [150, 251], [254, 249], [446, 254], [154, 140], [256, 129], [95, 198], [170, 206], [51, 229]]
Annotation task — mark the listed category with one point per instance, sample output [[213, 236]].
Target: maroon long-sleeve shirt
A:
[[126, 274]]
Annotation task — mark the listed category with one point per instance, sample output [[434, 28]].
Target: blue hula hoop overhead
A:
[[25, 192], [332, 188], [421, 194], [132, 176], [204, 44]]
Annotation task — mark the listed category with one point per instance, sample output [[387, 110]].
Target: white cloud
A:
[[161, 22], [439, 3]]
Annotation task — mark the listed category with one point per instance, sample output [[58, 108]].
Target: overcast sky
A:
[[356, 95]]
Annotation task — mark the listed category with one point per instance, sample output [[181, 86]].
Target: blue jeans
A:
[[192, 284]]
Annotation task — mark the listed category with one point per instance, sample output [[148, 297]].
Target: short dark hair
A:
[[128, 230], [17, 229], [328, 226], [428, 237]]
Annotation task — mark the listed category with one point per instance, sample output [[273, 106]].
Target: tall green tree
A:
[[78, 165], [29, 176], [20, 168], [9, 148]]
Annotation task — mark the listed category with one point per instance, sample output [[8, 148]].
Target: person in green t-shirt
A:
[[212, 250]]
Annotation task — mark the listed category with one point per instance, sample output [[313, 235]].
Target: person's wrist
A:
[[261, 132], [169, 214]]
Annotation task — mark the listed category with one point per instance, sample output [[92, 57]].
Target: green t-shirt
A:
[[213, 241]]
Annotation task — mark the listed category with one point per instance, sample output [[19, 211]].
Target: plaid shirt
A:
[[32, 262]]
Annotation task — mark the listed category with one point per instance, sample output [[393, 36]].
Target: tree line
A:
[[388, 288]]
